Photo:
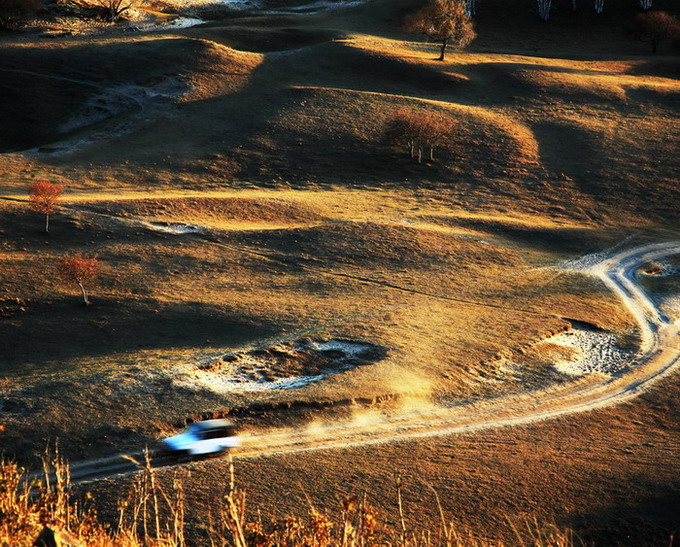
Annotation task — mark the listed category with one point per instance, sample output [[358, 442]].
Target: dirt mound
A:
[[287, 365], [174, 210], [52, 93], [302, 357], [301, 144]]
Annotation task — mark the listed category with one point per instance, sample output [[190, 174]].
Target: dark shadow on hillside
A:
[[43, 89], [564, 240], [262, 39], [64, 329], [568, 149], [648, 521], [667, 67]]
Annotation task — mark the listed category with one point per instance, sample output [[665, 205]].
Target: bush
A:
[[654, 27]]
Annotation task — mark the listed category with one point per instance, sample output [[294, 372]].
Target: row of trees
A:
[[43, 198], [416, 130]]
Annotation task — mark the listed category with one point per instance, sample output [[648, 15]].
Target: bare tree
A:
[[646, 5], [599, 6], [110, 10], [79, 269], [654, 27], [444, 21], [544, 7], [43, 198]]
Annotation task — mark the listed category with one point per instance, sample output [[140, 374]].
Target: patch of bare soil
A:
[[292, 364]]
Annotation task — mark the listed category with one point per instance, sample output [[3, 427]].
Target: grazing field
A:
[[264, 254]]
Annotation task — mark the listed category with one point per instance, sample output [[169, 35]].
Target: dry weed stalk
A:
[[153, 515]]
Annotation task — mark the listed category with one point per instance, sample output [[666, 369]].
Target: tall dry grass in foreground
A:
[[154, 515]]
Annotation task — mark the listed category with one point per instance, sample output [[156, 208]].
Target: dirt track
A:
[[658, 356]]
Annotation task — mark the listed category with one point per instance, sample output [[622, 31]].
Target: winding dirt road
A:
[[659, 355]]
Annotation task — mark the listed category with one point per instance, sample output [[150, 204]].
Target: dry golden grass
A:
[[316, 229], [153, 514]]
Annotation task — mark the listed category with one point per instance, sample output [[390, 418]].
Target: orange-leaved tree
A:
[[79, 270], [445, 21], [43, 196]]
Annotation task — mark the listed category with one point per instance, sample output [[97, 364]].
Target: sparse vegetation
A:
[[43, 198], [79, 270], [445, 21], [154, 514], [654, 28]]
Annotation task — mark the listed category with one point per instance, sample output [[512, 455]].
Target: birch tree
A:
[[544, 7], [79, 270], [43, 197]]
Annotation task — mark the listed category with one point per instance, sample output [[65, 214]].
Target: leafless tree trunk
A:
[[445, 42], [84, 292], [431, 153], [420, 154], [573, 5], [544, 9], [599, 6], [47, 223], [646, 4], [471, 7]]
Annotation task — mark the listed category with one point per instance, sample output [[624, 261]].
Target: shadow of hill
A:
[[648, 521], [43, 88], [64, 330]]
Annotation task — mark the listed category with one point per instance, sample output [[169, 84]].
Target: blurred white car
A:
[[203, 438]]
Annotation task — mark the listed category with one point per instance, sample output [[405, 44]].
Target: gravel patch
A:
[[288, 365], [593, 351]]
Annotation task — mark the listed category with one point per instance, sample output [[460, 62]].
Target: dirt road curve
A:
[[659, 355]]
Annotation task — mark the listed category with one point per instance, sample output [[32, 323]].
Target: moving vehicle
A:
[[203, 438]]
